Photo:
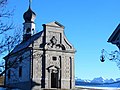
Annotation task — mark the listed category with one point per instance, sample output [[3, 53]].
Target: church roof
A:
[[25, 44], [114, 35]]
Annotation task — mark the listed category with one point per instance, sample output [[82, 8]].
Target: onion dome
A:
[[29, 15]]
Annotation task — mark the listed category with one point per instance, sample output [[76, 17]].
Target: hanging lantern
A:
[[102, 58]]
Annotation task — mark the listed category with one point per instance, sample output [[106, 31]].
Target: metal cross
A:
[[30, 1]]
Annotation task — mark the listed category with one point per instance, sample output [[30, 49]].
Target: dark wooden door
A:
[[54, 80]]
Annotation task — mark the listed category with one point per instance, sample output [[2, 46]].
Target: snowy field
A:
[[95, 88], [82, 88]]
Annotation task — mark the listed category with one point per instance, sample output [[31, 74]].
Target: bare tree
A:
[[9, 37], [7, 41], [5, 15]]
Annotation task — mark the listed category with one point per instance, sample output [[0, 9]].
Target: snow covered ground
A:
[[96, 88]]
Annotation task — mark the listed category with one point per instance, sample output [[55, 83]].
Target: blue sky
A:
[[88, 25]]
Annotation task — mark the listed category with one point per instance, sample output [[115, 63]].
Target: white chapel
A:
[[42, 60]]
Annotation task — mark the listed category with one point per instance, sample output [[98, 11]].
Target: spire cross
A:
[[30, 1]]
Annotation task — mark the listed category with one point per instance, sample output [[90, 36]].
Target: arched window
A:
[[28, 30]]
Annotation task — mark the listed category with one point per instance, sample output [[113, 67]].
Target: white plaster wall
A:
[[14, 77]]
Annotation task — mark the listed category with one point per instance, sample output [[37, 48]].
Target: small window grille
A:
[[54, 58]]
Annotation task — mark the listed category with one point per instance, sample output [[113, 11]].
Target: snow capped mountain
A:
[[98, 80], [102, 80], [109, 80]]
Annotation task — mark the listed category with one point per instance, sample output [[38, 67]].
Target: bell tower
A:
[[29, 25]]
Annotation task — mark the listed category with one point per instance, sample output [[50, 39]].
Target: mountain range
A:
[[100, 80]]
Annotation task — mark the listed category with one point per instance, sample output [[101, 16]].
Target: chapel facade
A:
[[42, 60]]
